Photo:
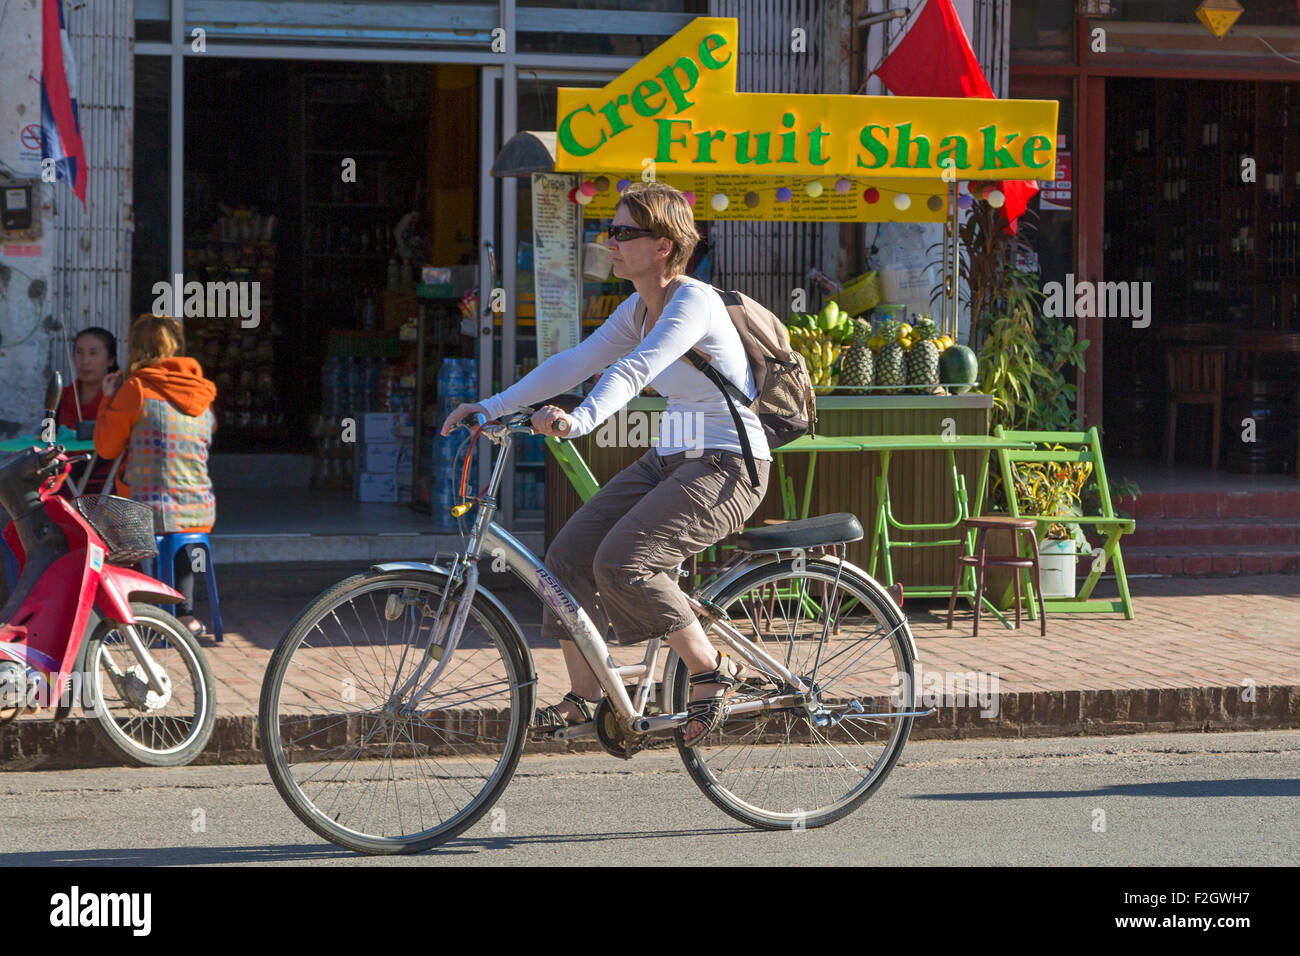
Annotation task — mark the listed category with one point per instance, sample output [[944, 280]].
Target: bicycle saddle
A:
[[809, 533]]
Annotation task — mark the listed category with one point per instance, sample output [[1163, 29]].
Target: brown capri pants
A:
[[618, 552]]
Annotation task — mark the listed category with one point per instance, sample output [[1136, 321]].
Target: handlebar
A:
[[517, 424]]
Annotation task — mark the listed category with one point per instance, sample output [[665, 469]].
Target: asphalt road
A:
[[1168, 799]]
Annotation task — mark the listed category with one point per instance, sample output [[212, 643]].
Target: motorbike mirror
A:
[[53, 390]]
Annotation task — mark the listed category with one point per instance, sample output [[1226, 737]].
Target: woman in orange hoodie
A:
[[161, 416]]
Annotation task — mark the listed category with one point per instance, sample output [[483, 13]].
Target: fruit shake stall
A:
[[880, 372]]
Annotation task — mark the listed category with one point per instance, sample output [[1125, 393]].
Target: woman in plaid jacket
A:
[[161, 417]]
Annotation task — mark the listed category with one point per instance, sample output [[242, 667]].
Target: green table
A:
[[67, 438], [884, 520]]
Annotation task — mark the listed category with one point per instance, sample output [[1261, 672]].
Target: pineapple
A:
[[890, 370], [890, 331], [923, 363], [858, 366], [925, 329], [861, 331]]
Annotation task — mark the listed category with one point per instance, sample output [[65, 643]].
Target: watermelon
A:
[[958, 365]]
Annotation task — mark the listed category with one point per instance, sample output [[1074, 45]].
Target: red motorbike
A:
[[80, 627]]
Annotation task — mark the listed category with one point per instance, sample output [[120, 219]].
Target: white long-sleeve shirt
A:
[[696, 416]]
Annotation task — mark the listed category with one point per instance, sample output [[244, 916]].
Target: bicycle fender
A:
[[517, 633]]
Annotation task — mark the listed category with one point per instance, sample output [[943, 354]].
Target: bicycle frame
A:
[[486, 536]]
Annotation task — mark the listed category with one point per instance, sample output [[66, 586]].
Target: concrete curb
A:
[[42, 744]]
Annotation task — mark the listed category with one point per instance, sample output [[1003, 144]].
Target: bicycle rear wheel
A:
[[811, 764], [347, 762]]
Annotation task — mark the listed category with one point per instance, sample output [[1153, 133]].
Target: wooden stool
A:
[[981, 560]]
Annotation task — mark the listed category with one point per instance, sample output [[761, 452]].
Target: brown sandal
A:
[[709, 710]]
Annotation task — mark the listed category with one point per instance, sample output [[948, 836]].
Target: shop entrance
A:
[[1217, 256], [328, 185]]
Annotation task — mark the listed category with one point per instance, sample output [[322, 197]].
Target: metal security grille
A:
[[92, 260], [765, 260]]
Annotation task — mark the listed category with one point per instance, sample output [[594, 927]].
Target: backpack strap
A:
[[742, 432], [730, 393]]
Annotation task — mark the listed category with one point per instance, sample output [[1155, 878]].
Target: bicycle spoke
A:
[[833, 633]]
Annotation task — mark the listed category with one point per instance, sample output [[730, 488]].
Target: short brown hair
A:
[[152, 339], [664, 210]]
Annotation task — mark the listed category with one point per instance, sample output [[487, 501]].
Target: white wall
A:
[[25, 284]]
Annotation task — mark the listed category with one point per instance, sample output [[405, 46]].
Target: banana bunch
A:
[[819, 349]]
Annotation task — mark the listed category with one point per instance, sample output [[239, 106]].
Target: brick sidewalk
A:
[[1181, 664]]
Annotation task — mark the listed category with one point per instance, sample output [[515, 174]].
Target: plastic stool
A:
[[169, 545]]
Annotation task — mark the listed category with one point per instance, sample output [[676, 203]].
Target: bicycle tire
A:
[[484, 623], [889, 621], [152, 620]]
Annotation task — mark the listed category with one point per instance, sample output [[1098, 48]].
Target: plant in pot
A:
[[1055, 489]]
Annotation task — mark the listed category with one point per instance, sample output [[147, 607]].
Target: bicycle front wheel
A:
[[813, 762], [352, 756]]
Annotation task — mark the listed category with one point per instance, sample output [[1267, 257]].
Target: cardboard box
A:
[[375, 488], [382, 427], [383, 457]]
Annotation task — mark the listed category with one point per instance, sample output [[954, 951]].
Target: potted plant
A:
[[1055, 489]]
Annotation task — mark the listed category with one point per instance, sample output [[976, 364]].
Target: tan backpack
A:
[[784, 402]]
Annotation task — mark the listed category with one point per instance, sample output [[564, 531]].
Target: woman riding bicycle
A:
[[676, 500]]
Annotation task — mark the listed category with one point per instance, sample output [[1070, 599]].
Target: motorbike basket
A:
[[125, 525]]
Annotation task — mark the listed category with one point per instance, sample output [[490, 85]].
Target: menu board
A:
[[555, 264], [787, 198]]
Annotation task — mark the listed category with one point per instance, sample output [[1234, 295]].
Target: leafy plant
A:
[[1052, 489], [991, 283], [1023, 366]]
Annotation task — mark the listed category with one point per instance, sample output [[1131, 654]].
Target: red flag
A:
[[60, 130], [934, 58]]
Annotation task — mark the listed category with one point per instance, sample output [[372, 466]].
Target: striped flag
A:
[[60, 131]]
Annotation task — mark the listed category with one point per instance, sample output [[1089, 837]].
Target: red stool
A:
[[981, 560]]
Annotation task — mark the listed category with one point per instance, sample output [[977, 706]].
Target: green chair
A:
[[1087, 449]]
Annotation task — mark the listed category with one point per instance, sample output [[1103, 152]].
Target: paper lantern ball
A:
[[902, 201], [965, 201], [719, 201], [623, 184], [842, 185], [995, 198], [602, 184], [690, 197], [573, 194], [871, 194], [934, 203], [582, 198], [587, 189], [751, 199], [783, 194], [814, 188]]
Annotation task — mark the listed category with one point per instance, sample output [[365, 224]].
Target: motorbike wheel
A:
[[133, 722]]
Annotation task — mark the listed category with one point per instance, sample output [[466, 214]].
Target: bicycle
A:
[[428, 700]]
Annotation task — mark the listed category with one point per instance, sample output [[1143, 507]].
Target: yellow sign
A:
[[678, 108], [791, 199], [1218, 16]]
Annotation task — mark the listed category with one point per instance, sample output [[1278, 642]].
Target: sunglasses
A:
[[627, 233]]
